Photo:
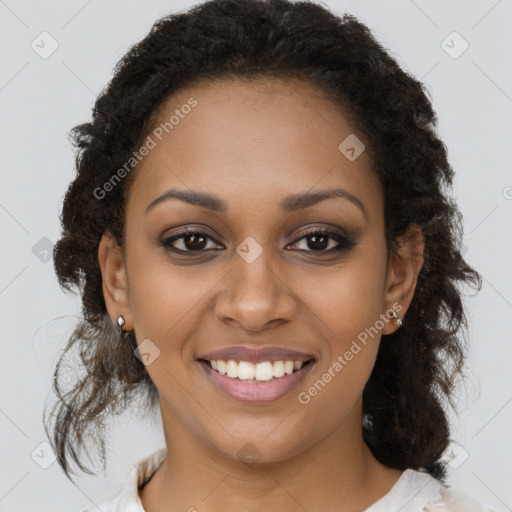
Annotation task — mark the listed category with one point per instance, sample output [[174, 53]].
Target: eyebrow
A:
[[290, 203]]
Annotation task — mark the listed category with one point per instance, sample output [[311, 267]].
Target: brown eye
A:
[[191, 241], [319, 239]]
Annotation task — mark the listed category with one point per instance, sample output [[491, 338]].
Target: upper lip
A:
[[255, 354]]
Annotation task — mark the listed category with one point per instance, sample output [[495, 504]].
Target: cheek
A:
[[347, 299], [165, 298], [349, 307]]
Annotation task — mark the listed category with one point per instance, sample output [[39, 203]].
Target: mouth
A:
[[258, 382], [247, 371]]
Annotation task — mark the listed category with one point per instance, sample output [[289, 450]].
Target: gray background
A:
[[41, 99]]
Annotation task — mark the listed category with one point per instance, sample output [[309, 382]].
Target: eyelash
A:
[[344, 242]]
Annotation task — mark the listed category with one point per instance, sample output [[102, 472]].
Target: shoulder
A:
[[416, 491], [126, 498], [438, 497], [453, 500]]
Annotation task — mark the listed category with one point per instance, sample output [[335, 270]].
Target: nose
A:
[[255, 296]]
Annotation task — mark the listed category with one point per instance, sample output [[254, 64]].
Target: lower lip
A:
[[256, 392]]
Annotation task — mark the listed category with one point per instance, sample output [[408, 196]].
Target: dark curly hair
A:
[[417, 366]]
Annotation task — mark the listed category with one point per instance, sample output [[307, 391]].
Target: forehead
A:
[[251, 140]]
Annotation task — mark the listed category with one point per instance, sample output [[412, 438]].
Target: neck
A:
[[339, 473]]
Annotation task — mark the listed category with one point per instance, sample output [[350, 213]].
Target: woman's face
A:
[[258, 153]]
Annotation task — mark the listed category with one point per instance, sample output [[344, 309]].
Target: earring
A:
[[397, 318], [120, 323]]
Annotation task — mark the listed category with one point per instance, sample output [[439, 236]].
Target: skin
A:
[[252, 144]]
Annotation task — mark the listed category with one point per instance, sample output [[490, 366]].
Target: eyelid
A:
[[327, 228]]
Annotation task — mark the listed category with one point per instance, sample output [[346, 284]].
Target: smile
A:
[[255, 382]]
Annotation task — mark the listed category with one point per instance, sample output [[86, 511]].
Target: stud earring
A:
[[397, 318], [120, 323]]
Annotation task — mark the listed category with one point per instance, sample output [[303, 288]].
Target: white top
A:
[[414, 491]]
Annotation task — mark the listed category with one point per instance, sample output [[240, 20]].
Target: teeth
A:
[[244, 370], [279, 368], [264, 371], [232, 369], [221, 367]]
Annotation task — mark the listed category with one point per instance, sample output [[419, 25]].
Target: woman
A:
[[266, 250]]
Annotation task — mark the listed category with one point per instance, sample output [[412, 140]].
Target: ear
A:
[[115, 282], [402, 275]]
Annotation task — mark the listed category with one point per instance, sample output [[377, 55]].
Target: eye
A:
[[320, 241], [191, 241]]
